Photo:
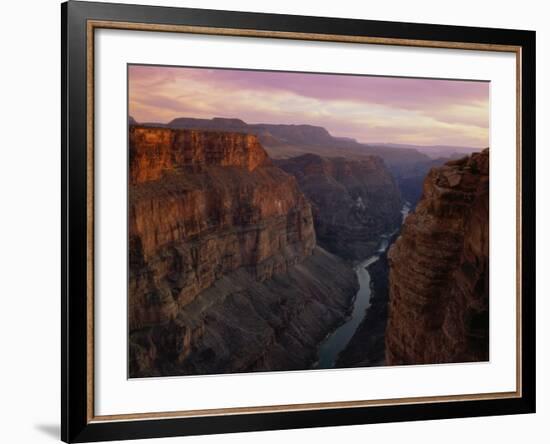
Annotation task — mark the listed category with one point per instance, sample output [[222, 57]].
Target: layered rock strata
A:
[[354, 201], [439, 270], [224, 270]]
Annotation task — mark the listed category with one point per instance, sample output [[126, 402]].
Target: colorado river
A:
[[339, 338]]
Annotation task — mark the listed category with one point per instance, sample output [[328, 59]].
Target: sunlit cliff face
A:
[[370, 109]]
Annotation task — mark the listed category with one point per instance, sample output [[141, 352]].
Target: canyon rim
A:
[[284, 221]]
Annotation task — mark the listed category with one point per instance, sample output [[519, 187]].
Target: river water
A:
[[334, 343]]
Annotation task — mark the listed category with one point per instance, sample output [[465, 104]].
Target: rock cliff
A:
[[154, 152], [439, 270], [354, 201], [224, 271]]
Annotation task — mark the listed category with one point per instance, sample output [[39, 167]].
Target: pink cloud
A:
[[339, 102]]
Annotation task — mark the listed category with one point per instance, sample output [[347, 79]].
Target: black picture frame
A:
[[76, 424]]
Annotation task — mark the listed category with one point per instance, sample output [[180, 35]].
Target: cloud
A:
[[370, 109]]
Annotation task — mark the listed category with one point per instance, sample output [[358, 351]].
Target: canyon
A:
[[225, 274], [354, 202], [245, 242], [429, 299]]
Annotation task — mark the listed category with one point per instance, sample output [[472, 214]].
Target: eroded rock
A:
[[439, 270]]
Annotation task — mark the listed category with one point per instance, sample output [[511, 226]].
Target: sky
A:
[[368, 108]]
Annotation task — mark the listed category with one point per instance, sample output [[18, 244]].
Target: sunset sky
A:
[[369, 109]]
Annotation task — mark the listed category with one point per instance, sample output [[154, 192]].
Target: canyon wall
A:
[[224, 273], [354, 201], [439, 270]]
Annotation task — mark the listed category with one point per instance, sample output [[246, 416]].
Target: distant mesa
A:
[[217, 124], [345, 139], [269, 134]]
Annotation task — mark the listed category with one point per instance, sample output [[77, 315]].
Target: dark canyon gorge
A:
[[354, 202], [252, 246]]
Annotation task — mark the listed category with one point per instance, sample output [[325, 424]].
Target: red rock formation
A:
[[192, 200], [439, 270], [212, 221], [354, 201], [154, 151]]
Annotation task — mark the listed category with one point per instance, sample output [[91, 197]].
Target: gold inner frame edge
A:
[[91, 26]]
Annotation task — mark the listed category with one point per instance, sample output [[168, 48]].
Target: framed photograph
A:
[[275, 221]]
